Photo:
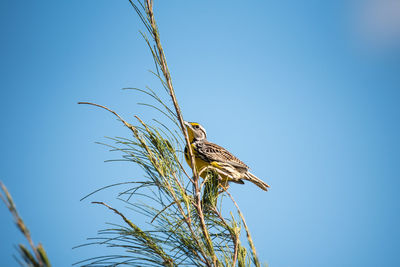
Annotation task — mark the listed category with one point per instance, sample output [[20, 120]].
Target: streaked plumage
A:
[[207, 154]]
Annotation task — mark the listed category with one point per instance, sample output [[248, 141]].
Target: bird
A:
[[209, 155]]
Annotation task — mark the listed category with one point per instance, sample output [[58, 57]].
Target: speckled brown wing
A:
[[216, 153]]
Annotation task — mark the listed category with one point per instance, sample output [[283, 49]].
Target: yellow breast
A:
[[201, 164]]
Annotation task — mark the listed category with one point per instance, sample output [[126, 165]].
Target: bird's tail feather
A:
[[257, 181]]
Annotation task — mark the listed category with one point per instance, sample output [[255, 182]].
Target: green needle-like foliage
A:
[[185, 221], [186, 224]]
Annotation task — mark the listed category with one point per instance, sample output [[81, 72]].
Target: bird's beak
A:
[[189, 129]]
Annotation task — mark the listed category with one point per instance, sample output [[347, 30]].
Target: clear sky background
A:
[[305, 92]]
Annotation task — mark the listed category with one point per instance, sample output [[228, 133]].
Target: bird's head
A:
[[195, 131]]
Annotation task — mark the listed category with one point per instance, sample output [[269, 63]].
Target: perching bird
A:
[[207, 154]]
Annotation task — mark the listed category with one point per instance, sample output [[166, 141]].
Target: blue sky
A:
[[305, 92]]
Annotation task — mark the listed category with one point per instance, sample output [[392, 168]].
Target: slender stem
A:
[[18, 221], [253, 248], [112, 111], [165, 70], [234, 236], [167, 75]]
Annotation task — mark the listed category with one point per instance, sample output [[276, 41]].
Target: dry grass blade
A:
[[39, 257]]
